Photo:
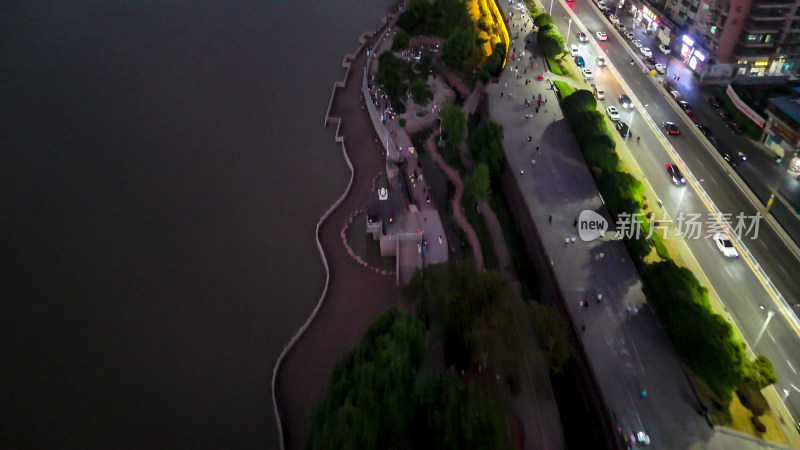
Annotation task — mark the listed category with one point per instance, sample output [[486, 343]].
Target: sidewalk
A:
[[628, 355]]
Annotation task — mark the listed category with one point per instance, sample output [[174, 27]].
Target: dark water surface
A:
[[163, 167]]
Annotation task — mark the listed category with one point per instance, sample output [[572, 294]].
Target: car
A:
[[742, 157], [573, 49], [650, 61], [629, 35], [725, 245], [664, 49], [691, 115], [603, 8], [714, 102], [625, 101], [623, 129], [660, 68], [637, 43], [601, 4], [675, 94], [684, 105], [723, 114], [612, 113], [676, 175], [646, 51], [601, 60], [579, 61], [582, 37], [613, 18], [599, 93], [601, 36], [705, 130], [620, 27], [587, 74], [671, 128], [734, 127], [730, 159]]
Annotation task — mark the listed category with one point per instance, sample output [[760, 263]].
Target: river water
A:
[[163, 168]]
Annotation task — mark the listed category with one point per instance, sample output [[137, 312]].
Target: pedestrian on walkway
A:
[[599, 297], [572, 239], [566, 242], [550, 219], [629, 310], [635, 311], [583, 329], [538, 151], [575, 223], [530, 138]]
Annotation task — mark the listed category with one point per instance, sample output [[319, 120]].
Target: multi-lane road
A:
[[734, 281]]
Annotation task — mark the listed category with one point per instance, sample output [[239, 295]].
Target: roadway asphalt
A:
[[732, 280]]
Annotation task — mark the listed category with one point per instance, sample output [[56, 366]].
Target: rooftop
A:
[[788, 105]]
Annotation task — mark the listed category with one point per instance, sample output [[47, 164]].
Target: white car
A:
[[587, 74], [573, 49], [582, 37], [601, 60], [613, 113], [629, 35], [601, 4], [725, 245], [646, 52], [637, 43], [601, 36], [613, 19], [599, 93], [660, 68], [664, 49]]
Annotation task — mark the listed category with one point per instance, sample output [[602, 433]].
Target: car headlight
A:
[[683, 180]]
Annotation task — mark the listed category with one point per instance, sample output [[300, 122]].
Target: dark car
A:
[[691, 115], [730, 159], [623, 129], [671, 128], [714, 102], [734, 127], [625, 101], [723, 114], [705, 130], [650, 61], [684, 105], [676, 175]]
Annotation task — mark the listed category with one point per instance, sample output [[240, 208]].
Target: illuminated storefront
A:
[[693, 56], [650, 19]]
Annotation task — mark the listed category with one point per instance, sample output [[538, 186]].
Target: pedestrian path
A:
[[458, 213]]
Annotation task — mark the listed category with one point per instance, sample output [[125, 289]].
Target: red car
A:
[[691, 115]]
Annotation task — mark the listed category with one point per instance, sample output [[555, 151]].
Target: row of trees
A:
[[704, 339], [550, 40], [377, 398], [468, 41]]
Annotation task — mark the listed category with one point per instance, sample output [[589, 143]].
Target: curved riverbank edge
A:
[[338, 137]]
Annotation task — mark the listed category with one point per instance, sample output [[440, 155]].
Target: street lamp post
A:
[[784, 165], [440, 131], [551, 8], [630, 127], [569, 25], [770, 313]]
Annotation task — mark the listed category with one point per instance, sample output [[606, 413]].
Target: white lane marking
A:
[[771, 337], [790, 366]]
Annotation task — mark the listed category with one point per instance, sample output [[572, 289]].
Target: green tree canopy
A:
[[453, 121], [551, 42], [486, 145], [543, 19], [392, 76], [401, 40], [705, 340], [420, 92], [479, 183], [580, 100], [459, 47], [759, 373], [369, 397], [552, 332], [452, 416]]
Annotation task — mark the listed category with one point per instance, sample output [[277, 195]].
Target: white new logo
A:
[[591, 225]]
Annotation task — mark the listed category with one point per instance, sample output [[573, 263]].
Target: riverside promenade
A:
[[354, 295], [636, 368]]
